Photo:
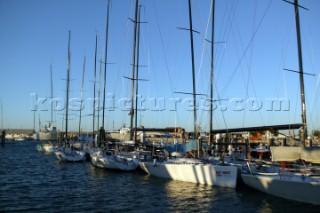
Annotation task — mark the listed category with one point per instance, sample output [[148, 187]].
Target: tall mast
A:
[[81, 98], [99, 92], [34, 119], [137, 78], [2, 116], [68, 86], [94, 87], [193, 75], [51, 98], [303, 105], [211, 73], [105, 63], [133, 67], [301, 73]]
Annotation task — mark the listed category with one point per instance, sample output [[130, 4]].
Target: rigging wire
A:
[[122, 71], [227, 32], [285, 62], [317, 84], [250, 66], [227, 21], [201, 60], [165, 58], [248, 45]]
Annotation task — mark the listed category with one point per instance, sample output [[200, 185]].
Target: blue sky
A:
[[257, 39]]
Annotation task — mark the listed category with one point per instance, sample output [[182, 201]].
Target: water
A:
[[34, 182]]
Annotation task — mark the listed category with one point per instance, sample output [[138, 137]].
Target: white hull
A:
[[69, 155], [47, 136], [208, 174], [48, 133], [297, 188], [46, 148], [114, 162]]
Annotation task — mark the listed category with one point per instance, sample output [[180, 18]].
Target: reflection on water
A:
[[185, 194], [35, 182]]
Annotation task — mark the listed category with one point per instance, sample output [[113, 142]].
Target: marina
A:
[[194, 134], [36, 182]]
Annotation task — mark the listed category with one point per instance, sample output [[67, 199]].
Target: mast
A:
[[99, 92], [2, 116], [51, 81], [105, 63], [301, 73], [137, 80], [81, 97], [303, 105], [68, 86], [211, 73], [34, 120], [133, 68], [39, 123], [94, 87], [193, 76]]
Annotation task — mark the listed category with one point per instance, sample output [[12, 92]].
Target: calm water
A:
[[34, 182]]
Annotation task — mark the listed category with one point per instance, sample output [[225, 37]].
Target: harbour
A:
[[36, 182], [188, 156]]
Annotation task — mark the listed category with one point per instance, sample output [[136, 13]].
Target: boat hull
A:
[[70, 155], [208, 174], [48, 136], [48, 148], [114, 162], [302, 189]]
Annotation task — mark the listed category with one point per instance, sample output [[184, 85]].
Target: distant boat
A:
[[6, 140], [48, 133], [260, 152], [20, 139], [47, 148], [192, 170]]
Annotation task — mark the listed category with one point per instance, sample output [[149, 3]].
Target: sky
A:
[[253, 41]]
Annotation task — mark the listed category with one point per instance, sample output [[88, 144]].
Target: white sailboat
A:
[[46, 148], [68, 153], [193, 170], [302, 185], [49, 133], [107, 158], [114, 161]]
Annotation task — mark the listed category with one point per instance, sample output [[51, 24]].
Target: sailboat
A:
[[298, 185], [49, 133], [193, 170], [108, 158], [301, 183], [67, 152]]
